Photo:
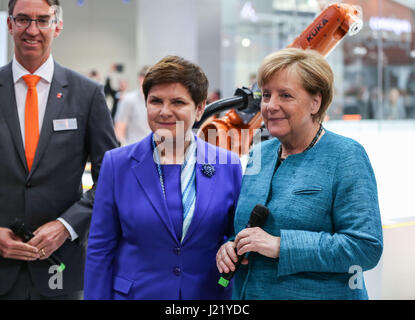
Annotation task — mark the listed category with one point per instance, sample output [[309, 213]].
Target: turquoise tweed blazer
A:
[[324, 206]]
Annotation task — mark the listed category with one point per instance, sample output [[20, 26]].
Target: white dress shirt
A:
[[45, 72]]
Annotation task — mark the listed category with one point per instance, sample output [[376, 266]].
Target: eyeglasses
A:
[[25, 22]]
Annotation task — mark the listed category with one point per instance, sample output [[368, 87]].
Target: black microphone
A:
[[18, 227], [258, 217]]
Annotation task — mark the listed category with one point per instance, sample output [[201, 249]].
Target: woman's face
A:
[[286, 107], [171, 111]]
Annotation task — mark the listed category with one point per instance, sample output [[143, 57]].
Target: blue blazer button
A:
[[177, 271]]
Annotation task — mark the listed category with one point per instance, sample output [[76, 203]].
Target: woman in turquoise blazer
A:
[[324, 227]]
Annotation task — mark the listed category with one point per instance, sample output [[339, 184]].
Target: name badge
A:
[[65, 124]]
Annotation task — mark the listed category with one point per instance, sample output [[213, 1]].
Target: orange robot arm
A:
[[326, 31], [322, 35]]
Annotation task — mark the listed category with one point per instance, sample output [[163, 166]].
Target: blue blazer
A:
[[133, 251], [324, 205]]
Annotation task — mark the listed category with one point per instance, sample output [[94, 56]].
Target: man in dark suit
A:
[[52, 120]]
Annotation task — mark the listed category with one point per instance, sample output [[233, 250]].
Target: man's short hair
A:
[[53, 3]]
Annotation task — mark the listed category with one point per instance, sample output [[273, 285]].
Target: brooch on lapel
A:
[[208, 170]]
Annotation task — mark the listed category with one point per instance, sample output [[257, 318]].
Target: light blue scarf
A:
[[187, 182], [188, 185]]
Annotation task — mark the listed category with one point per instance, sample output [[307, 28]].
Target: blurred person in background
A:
[[395, 106], [131, 118], [319, 187], [252, 79], [94, 75], [213, 96], [115, 94]]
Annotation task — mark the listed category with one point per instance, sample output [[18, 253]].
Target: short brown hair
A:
[[53, 3], [172, 69], [312, 68]]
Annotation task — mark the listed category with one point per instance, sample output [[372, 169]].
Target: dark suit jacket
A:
[[53, 188]]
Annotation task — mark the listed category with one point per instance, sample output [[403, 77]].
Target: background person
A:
[[131, 119], [320, 189], [51, 121], [166, 204]]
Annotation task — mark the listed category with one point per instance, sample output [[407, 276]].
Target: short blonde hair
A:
[[312, 68]]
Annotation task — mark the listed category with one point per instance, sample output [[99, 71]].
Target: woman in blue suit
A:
[[324, 227], [164, 205]]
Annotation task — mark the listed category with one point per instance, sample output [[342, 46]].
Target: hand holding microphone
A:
[[257, 240], [253, 238], [12, 247], [19, 229]]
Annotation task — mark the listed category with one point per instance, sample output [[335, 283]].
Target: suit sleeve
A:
[[100, 137], [357, 230], [103, 237]]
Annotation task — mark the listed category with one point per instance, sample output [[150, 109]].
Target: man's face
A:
[[33, 45]]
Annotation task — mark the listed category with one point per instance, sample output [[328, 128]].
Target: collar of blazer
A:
[[6, 75], [259, 173], [144, 169]]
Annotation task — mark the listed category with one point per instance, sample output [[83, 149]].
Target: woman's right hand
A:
[[226, 257]]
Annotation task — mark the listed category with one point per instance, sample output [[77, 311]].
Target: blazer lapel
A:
[[56, 101], [147, 176], [256, 186], [204, 185], [8, 107]]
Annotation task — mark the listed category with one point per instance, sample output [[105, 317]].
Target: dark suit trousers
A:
[[24, 289]]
